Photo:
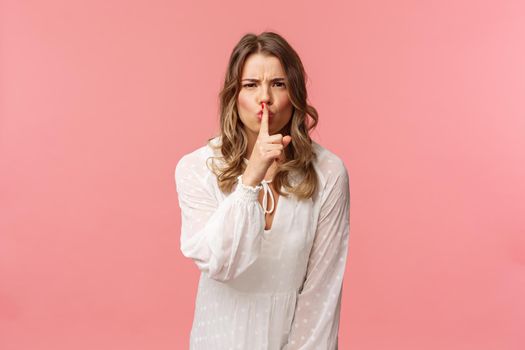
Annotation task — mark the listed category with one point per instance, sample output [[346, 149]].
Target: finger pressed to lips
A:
[[259, 115]]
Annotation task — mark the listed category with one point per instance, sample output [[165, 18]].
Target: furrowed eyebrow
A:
[[256, 80]]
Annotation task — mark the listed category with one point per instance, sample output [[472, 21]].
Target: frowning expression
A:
[[263, 80]]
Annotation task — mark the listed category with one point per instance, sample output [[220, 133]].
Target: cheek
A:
[[243, 108], [243, 101], [286, 104], [284, 99]]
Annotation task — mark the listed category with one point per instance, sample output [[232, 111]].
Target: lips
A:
[[259, 114]]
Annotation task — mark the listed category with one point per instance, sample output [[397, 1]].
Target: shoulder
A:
[[328, 165], [194, 162]]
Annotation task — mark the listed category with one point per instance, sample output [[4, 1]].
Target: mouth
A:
[[259, 114]]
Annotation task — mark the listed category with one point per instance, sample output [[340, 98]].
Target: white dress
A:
[[277, 289]]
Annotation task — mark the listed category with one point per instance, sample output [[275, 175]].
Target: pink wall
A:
[[422, 99]]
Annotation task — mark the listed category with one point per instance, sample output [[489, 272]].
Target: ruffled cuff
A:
[[248, 192]]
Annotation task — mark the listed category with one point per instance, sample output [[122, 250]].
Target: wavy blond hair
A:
[[299, 153]]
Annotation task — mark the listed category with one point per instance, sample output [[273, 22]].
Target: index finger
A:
[[264, 120]]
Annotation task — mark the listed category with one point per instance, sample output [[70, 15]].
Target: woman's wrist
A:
[[248, 181]]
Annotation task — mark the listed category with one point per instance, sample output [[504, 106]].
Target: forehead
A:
[[258, 65]]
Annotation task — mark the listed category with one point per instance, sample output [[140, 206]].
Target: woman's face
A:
[[263, 80]]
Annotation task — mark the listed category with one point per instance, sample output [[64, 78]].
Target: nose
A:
[[264, 96]]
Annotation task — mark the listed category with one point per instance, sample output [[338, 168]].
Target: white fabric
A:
[[266, 189], [276, 289]]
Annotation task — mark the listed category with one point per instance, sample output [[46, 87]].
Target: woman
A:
[[265, 212]]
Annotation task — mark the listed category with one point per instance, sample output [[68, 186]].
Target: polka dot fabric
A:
[[276, 289]]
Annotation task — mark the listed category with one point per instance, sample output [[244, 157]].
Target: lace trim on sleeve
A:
[[255, 189]]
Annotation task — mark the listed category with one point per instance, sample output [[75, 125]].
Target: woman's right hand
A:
[[267, 149]]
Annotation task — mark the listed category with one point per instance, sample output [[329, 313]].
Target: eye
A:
[[252, 84]]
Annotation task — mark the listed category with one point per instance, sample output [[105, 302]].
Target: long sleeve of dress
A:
[[316, 320], [223, 239]]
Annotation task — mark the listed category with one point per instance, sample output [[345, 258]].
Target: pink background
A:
[[423, 100]]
